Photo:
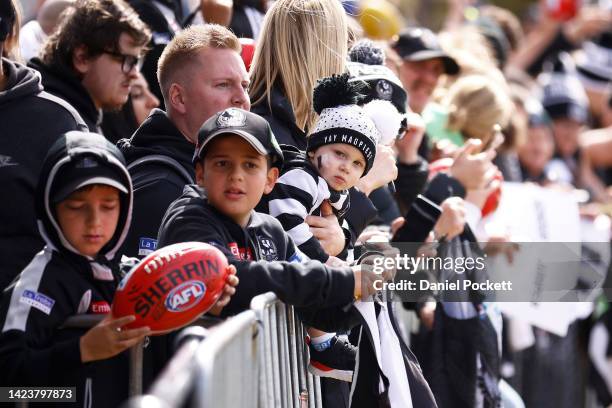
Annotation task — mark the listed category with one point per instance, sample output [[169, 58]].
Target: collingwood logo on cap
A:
[[86, 163], [231, 118], [384, 90]]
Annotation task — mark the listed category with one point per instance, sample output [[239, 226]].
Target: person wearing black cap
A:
[[31, 121], [424, 61], [566, 102], [539, 146], [237, 160], [83, 206]]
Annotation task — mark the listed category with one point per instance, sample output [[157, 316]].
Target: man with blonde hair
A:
[[200, 73]]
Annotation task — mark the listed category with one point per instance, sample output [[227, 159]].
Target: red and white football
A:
[[172, 286]]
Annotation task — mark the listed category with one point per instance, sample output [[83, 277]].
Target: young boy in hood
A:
[[237, 160], [84, 203]]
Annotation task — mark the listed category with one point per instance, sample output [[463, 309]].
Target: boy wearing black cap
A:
[[84, 202], [237, 160]]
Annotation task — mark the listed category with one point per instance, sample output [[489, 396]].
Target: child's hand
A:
[[228, 291], [107, 339]]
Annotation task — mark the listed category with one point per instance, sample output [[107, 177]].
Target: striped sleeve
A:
[[296, 194]]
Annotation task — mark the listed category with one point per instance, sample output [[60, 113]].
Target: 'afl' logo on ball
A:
[[231, 118], [384, 90], [185, 296]]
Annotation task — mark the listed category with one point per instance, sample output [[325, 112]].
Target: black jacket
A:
[[155, 185], [410, 182], [64, 84], [60, 283], [411, 178], [279, 114], [259, 252], [368, 374], [150, 14], [30, 122]]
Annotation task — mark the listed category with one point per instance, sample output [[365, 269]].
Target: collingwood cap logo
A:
[[231, 118], [384, 90], [86, 163]]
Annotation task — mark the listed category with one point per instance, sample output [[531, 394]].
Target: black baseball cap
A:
[[420, 44], [250, 126], [86, 171]]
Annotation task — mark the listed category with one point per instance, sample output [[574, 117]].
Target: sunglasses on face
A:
[[128, 62]]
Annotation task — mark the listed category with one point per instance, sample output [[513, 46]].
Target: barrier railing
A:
[[284, 380], [255, 359]]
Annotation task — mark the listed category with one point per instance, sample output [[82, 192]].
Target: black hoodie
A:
[[64, 84], [163, 33], [156, 185], [59, 283], [254, 251], [30, 122]]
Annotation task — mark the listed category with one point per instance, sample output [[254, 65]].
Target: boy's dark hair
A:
[[97, 25]]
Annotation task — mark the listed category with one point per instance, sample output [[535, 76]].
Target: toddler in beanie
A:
[[341, 149]]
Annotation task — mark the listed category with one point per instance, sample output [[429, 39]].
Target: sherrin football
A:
[[172, 286]]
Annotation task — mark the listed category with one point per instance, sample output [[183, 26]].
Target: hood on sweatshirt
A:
[[22, 81], [66, 85], [64, 156], [158, 135]]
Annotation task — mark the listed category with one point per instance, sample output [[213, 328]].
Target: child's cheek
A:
[[327, 162]]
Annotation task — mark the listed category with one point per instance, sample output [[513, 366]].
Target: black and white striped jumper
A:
[[299, 192]]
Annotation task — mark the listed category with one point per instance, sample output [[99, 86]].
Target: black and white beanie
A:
[[342, 120], [367, 64]]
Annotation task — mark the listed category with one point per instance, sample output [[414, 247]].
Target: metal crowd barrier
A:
[[284, 380], [255, 359]]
